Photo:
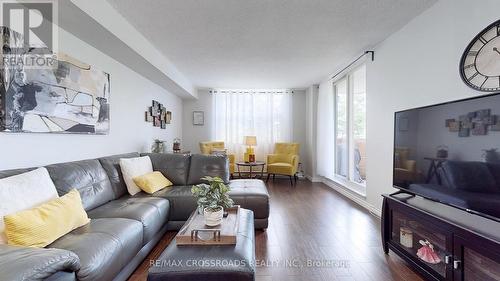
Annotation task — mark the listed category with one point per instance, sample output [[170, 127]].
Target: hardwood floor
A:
[[312, 222]]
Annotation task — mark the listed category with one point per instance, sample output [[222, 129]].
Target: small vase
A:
[[213, 218]]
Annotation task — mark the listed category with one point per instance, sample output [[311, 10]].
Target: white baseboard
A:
[[352, 196], [313, 179]]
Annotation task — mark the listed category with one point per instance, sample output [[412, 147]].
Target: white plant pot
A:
[[213, 218]]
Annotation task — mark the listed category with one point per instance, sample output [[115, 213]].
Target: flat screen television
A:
[[450, 153]]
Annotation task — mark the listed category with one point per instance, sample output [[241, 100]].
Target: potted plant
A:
[[212, 199]]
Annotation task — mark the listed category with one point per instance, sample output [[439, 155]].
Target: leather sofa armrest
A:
[[23, 263]]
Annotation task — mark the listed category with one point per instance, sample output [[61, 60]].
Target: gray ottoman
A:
[[210, 263], [252, 194]]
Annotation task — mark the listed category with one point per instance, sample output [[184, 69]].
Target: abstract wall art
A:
[[72, 97], [475, 123], [158, 115]]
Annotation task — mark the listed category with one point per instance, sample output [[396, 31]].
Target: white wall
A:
[[192, 134], [131, 94], [417, 66], [311, 127]]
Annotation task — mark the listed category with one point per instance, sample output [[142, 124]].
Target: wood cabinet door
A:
[[475, 259], [422, 239]]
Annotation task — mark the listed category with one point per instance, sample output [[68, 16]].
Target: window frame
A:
[[347, 181]]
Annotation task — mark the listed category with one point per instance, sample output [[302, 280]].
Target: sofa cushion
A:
[[174, 167], [208, 165], [111, 165], [88, 176], [152, 182], [104, 246], [469, 176], [24, 191], [134, 167], [251, 194], [182, 202], [152, 212], [42, 225]]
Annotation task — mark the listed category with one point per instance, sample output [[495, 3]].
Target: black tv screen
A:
[[450, 153]]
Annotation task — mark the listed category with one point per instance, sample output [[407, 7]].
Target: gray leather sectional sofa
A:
[[123, 228]]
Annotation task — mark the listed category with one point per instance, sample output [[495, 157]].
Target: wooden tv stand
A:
[[466, 246]]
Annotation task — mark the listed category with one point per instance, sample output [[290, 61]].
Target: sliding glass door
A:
[[350, 129]]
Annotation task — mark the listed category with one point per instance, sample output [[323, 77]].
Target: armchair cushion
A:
[[281, 169], [286, 148], [279, 158], [285, 160]]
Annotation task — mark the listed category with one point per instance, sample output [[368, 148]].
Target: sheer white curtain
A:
[[263, 113], [326, 131]]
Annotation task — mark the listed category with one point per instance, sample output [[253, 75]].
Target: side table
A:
[[251, 165]]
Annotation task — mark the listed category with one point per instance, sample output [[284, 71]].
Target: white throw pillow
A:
[[134, 167], [22, 192]]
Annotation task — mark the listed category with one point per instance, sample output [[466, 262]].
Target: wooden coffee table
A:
[[251, 165]]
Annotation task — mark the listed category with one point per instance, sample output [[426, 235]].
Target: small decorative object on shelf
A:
[[177, 145], [212, 198], [442, 151], [427, 253], [158, 146], [406, 237]]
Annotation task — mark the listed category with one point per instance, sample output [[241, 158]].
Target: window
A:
[[350, 129], [266, 114]]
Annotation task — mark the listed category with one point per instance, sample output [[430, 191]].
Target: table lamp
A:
[[250, 153]]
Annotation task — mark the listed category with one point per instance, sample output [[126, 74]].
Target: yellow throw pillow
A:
[[152, 182], [42, 225]]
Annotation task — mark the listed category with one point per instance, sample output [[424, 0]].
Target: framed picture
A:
[[198, 118], [157, 121], [479, 129], [148, 118], [454, 126], [72, 98], [169, 117], [448, 122], [464, 132]]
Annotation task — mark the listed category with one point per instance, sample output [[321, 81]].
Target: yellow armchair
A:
[[207, 147], [405, 170], [284, 161]]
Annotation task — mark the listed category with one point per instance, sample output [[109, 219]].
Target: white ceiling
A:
[[265, 43]]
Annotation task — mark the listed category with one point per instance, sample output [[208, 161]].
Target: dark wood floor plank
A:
[[312, 222]]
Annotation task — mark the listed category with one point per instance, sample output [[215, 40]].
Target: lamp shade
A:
[[251, 140]]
